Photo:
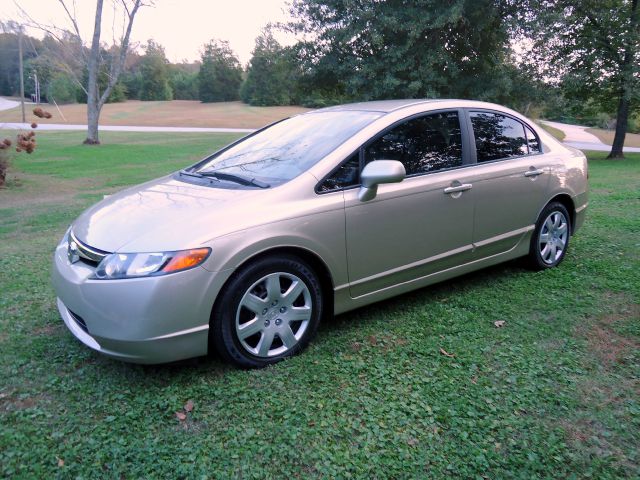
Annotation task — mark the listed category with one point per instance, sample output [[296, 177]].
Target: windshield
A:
[[288, 148]]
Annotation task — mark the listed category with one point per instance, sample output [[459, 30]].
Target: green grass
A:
[[125, 158], [555, 132], [552, 394]]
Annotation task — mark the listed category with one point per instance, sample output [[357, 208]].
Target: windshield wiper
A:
[[230, 177], [190, 174]]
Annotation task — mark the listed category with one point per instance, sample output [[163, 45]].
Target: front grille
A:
[[79, 251], [79, 320]]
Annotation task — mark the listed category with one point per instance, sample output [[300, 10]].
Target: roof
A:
[[384, 106]]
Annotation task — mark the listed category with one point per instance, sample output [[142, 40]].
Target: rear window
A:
[[288, 148], [498, 136]]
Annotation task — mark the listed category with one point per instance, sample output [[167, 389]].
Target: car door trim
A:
[[503, 236], [409, 266]]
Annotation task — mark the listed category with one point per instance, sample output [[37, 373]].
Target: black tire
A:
[[539, 258], [252, 282]]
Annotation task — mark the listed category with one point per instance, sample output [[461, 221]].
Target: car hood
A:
[[164, 214]]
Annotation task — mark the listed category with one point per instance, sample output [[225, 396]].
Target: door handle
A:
[[533, 172], [458, 188]]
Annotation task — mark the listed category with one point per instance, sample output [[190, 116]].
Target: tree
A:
[[183, 78], [393, 49], [220, 74], [95, 98], [271, 75], [155, 74], [9, 68], [593, 46], [93, 56]]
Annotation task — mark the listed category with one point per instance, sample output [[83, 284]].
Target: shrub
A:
[[62, 89], [4, 164], [634, 123], [604, 120]]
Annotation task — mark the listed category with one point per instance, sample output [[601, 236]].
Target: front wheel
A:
[[268, 311], [550, 237]]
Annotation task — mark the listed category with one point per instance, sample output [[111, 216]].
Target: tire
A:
[[550, 238], [268, 311]]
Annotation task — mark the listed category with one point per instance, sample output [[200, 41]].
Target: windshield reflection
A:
[[288, 148]]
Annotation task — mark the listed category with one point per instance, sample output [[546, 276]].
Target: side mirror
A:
[[377, 172]]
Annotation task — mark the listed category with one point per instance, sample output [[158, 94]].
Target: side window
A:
[[498, 136], [532, 140], [345, 176], [423, 144]]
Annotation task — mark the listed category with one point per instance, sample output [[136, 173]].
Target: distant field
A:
[[606, 136], [177, 113]]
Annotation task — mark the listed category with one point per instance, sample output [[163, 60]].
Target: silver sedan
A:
[[247, 250]]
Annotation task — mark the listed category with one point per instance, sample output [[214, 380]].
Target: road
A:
[[125, 128], [577, 136], [8, 104]]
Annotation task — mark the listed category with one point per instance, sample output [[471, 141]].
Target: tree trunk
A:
[[93, 96], [622, 119], [626, 85], [93, 117]]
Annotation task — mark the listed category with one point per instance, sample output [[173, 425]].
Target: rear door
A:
[[510, 181]]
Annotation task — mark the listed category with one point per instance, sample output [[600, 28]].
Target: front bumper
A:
[[142, 320]]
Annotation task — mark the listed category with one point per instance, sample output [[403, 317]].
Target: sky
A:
[[181, 27]]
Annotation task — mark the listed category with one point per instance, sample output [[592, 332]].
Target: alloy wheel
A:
[[553, 237], [273, 314]]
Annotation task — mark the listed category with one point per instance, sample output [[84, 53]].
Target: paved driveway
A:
[[577, 136], [6, 104]]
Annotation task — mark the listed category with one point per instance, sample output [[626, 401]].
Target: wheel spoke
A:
[[548, 225], [287, 337], [299, 313], [254, 303], [294, 291], [544, 253], [544, 238], [561, 243], [557, 218], [272, 284], [562, 229], [250, 328], [264, 345], [554, 251]]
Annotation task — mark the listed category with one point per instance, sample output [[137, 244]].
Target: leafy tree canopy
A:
[[155, 74], [395, 49], [220, 74], [592, 47], [272, 73]]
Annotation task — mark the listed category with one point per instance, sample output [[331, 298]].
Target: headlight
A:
[[65, 237], [133, 265]]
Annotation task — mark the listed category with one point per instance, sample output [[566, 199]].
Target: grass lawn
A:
[[555, 132], [177, 113], [606, 136], [553, 393]]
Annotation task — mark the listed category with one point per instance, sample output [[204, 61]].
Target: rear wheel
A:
[[550, 237], [268, 311]]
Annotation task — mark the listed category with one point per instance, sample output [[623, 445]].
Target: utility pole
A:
[[21, 72], [35, 80]]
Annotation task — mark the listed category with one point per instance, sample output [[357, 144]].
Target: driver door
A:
[[421, 225]]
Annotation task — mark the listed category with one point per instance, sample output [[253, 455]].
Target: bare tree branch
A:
[[71, 17], [116, 65]]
